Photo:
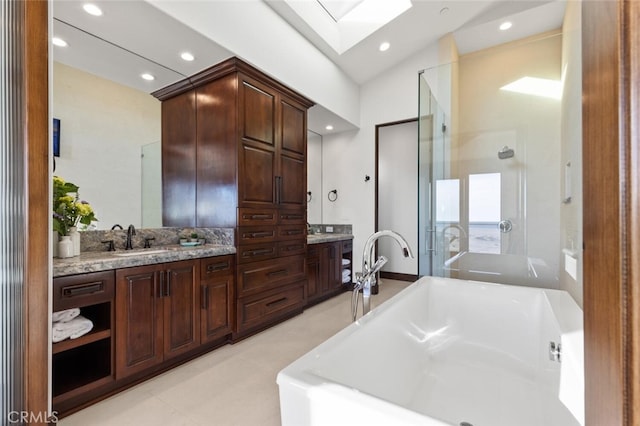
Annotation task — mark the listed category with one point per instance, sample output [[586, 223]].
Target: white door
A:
[[397, 193]]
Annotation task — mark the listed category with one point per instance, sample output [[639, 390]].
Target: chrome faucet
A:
[[131, 231], [370, 267]]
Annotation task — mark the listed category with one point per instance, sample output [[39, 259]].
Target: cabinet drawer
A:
[[256, 234], [258, 276], [250, 217], [269, 306], [292, 232], [347, 246], [212, 267], [290, 248], [82, 290], [292, 217], [255, 252]]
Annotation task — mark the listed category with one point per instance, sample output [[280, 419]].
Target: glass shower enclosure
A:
[[489, 178]]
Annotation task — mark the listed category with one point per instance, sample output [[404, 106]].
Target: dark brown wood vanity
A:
[[234, 156]]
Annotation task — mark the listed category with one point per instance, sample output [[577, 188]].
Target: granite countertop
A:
[[95, 261], [327, 238]]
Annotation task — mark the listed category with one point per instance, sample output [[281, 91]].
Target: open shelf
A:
[[90, 337], [81, 366]]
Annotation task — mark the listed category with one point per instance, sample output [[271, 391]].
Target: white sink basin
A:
[[141, 253]]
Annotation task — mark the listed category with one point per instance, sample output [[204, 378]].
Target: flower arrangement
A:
[[68, 209]]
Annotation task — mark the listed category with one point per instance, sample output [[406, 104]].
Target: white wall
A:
[[312, 73], [314, 177], [571, 214], [103, 126], [349, 156]]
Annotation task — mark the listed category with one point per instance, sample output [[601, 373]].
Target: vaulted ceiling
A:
[[136, 37]]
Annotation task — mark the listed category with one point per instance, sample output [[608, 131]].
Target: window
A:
[[484, 212]]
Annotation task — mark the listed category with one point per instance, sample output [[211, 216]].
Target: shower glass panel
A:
[[432, 185], [490, 169], [151, 158]]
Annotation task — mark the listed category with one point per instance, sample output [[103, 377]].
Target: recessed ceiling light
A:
[[329, 127], [187, 56], [505, 25], [384, 46], [57, 41], [444, 11], [92, 9], [147, 76]]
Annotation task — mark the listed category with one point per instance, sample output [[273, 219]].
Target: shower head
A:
[[505, 152]]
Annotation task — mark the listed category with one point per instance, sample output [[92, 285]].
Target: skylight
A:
[[337, 9], [344, 23]]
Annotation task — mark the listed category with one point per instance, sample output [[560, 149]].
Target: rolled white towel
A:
[[346, 262], [66, 315], [79, 326], [346, 276]]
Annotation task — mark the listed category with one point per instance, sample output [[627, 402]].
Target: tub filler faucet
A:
[[370, 267]]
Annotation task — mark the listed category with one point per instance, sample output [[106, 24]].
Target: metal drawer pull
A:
[[291, 216], [258, 216], [217, 266], [257, 252], [276, 302], [258, 234], [292, 248], [167, 289], [280, 272], [294, 232], [78, 290], [205, 298]]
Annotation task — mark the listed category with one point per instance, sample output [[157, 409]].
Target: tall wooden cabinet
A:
[[234, 155]]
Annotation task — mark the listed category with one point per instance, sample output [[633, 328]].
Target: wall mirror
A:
[[110, 140]]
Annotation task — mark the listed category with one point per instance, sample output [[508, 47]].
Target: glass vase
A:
[[75, 240], [65, 247]]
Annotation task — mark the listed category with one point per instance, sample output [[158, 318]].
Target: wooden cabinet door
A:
[[138, 319], [181, 301], [330, 267], [216, 316], [292, 153], [217, 147], [313, 273], [179, 160], [257, 157], [335, 266]]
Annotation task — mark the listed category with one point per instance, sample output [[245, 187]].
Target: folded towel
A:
[[346, 262], [79, 326], [346, 276], [66, 315]]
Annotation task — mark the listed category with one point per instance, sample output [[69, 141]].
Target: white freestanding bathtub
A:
[[446, 352]]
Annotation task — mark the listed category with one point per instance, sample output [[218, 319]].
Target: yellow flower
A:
[[67, 199], [83, 209]]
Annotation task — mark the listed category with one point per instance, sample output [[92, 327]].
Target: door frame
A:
[[383, 274], [611, 210]]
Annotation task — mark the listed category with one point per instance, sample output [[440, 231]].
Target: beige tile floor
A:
[[233, 385]]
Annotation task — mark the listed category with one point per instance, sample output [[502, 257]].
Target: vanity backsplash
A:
[[95, 240]]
